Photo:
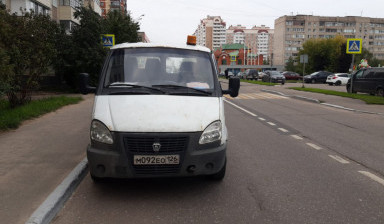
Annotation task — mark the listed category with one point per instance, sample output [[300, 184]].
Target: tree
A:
[[122, 26], [290, 65], [28, 47], [86, 52], [326, 54]]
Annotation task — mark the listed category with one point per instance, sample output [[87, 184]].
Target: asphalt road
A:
[[289, 161]]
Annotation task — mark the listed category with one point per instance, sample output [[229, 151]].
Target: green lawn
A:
[[366, 98], [12, 118]]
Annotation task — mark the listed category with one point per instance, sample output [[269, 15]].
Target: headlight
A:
[[212, 133], [100, 133]]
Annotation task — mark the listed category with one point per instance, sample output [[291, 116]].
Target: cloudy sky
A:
[[170, 21]]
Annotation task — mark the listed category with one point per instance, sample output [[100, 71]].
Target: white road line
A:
[[373, 177], [270, 123], [262, 119], [339, 159], [297, 137], [283, 130], [314, 146], [252, 114]]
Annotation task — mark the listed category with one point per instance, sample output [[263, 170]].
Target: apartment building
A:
[[211, 32], [292, 31], [258, 39], [113, 5], [60, 10]]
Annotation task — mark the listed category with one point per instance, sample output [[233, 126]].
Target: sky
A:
[[170, 21]]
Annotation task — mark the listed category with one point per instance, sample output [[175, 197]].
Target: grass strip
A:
[[11, 118], [366, 98], [259, 82]]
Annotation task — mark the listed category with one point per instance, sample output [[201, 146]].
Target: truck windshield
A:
[[159, 67]]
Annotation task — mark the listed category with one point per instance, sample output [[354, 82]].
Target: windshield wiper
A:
[[135, 86], [185, 88]]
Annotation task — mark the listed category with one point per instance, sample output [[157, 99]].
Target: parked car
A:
[[317, 77], [338, 79], [240, 75], [261, 75], [367, 80], [273, 76], [291, 75], [251, 74]]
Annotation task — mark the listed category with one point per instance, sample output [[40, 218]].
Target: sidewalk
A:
[[35, 158]]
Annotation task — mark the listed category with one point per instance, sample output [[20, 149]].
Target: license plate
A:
[[156, 160]]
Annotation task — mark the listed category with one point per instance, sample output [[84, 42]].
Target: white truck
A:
[[158, 112]]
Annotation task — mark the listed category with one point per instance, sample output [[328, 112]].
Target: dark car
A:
[[273, 76], [367, 80], [291, 75], [251, 74], [317, 77]]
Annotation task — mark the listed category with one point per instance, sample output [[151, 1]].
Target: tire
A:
[[313, 81], [349, 89], [221, 174], [338, 83], [380, 92], [98, 180]]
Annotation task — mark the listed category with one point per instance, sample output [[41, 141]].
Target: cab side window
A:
[[359, 74], [369, 75], [379, 75]]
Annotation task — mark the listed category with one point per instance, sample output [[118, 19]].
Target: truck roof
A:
[[150, 45]]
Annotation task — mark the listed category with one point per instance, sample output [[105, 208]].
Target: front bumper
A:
[[116, 161]]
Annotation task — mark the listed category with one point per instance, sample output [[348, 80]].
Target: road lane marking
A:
[[272, 124], [314, 146], [248, 112], [283, 130], [373, 177], [260, 118], [339, 159], [297, 137], [259, 96]]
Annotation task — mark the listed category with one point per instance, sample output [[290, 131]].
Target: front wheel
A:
[[98, 180], [221, 174], [380, 92], [338, 83], [313, 81], [349, 90]]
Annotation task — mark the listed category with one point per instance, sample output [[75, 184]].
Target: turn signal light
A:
[[191, 40]]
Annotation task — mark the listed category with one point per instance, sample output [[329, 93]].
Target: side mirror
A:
[[234, 87], [84, 84]]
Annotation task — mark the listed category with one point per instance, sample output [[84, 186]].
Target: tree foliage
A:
[[28, 46], [290, 65], [31, 44], [326, 54], [122, 26], [82, 51]]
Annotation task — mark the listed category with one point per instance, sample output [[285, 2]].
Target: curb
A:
[[55, 201]]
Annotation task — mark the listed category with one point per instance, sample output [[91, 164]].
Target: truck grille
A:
[[144, 144]]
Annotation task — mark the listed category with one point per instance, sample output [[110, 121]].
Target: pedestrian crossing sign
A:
[[108, 40], [354, 46]]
